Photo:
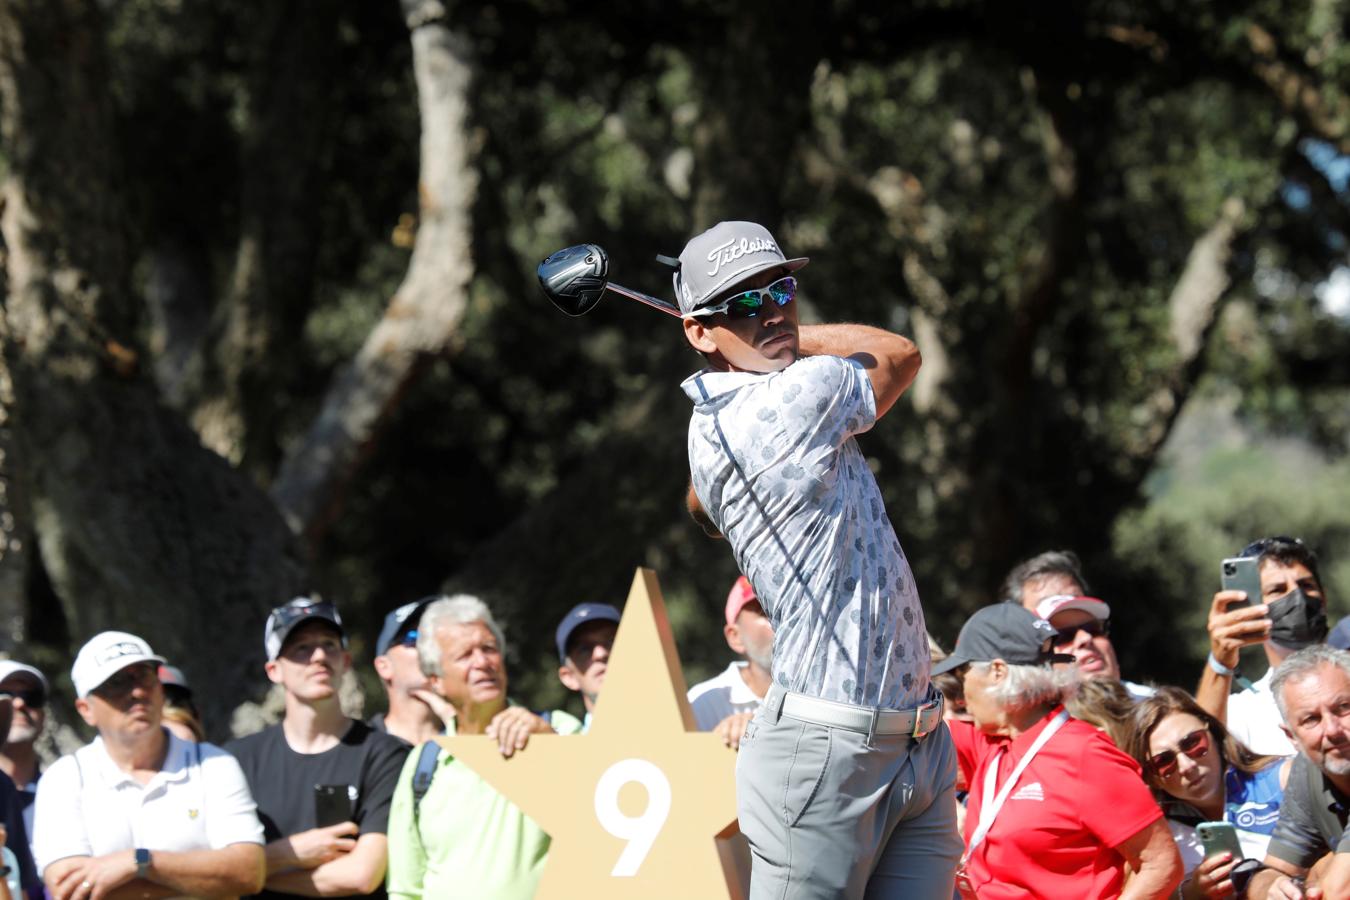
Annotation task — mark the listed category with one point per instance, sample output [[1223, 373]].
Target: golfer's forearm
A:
[[847, 338], [891, 360]]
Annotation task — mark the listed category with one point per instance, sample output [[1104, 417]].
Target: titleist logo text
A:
[[733, 250]]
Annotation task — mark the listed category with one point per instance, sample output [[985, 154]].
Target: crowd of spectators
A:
[[1072, 780]]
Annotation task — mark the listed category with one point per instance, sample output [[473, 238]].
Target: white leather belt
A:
[[915, 722]]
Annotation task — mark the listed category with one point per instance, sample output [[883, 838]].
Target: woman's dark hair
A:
[[1149, 713], [1104, 702]]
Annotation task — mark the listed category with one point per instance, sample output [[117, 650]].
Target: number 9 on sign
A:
[[639, 831]]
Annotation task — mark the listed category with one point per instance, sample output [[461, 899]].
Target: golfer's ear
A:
[[698, 335]]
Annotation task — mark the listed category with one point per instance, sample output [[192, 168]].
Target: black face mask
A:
[[1297, 620]]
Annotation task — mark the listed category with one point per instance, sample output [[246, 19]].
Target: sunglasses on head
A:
[[1195, 745], [1093, 627], [284, 617], [1264, 545], [747, 304]]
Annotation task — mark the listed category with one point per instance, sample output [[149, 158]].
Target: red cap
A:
[[741, 594]]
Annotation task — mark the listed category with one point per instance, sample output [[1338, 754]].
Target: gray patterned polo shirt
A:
[[777, 468]]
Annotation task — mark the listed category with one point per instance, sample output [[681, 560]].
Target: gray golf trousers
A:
[[828, 816]]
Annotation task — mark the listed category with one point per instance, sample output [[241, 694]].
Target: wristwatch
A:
[[142, 862]]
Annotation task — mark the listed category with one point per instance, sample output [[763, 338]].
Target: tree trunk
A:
[[138, 526], [249, 364], [424, 313]]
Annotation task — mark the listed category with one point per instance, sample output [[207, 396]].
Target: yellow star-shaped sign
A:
[[634, 805]]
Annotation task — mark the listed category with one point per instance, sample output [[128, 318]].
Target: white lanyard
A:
[[988, 810]]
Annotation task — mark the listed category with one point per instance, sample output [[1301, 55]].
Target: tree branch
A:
[[426, 309]]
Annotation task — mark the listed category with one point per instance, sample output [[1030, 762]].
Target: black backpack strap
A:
[[423, 774]]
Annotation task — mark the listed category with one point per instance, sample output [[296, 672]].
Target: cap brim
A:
[[946, 665], [9, 667], [129, 661]]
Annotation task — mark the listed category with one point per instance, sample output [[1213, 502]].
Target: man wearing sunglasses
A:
[[1083, 628], [18, 758], [1051, 584], [1289, 615], [851, 717], [415, 711], [139, 811]]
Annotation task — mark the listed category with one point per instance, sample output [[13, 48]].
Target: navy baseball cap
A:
[[1003, 631], [400, 622], [582, 614]]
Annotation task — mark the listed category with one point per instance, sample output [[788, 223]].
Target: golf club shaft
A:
[[664, 305]]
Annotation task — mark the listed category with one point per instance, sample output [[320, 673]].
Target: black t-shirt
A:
[[11, 814], [283, 781]]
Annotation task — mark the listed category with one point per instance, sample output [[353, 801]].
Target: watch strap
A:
[[142, 862]]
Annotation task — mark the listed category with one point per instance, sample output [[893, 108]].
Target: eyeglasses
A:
[[747, 304], [33, 698], [143, 675], [1093, 627], [1195, 745]]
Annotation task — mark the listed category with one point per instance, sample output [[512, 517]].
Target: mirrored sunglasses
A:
[[1093, 627], [747, 304], [1195, 745]]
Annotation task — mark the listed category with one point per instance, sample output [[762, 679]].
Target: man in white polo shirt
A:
[[139, 807], [726, 702]]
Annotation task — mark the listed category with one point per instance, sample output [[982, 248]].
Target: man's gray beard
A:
[[21, 733], [1335, 765], [764, 661]]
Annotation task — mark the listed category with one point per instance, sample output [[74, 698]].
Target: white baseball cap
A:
[[1063, 602], [106, 654], [9, 667]]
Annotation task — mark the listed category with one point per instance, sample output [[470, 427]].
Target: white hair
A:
[[1300, 665], [1030, 686], [461, 609]]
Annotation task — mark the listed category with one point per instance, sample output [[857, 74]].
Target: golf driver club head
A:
[[574, 278]]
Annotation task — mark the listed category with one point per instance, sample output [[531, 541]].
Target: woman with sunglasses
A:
[[1201, 773], [1055, 809]]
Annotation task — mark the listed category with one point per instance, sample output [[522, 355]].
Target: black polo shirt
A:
[[1312, 817]]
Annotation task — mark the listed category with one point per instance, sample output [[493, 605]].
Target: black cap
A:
[[400, 622], [1003, 631], [582, 614], [285, 619]]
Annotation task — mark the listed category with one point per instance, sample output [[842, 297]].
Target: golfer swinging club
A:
[[845, 775]]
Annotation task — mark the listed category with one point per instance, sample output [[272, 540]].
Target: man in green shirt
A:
[[463, 839]]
